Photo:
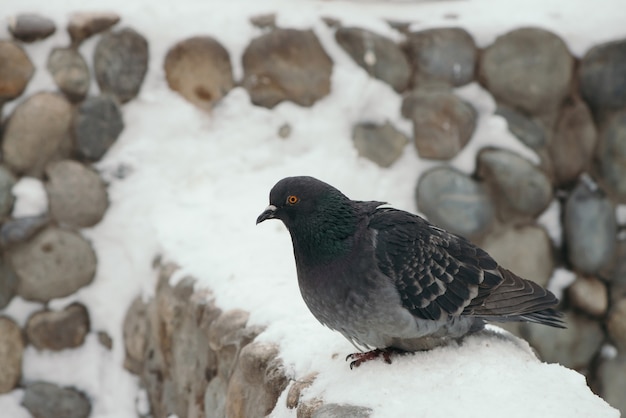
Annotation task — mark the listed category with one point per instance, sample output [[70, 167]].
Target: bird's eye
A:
[[292, 200]]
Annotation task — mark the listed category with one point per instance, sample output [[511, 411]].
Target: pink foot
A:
[[360, 358]]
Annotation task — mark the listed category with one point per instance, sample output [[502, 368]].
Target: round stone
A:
[[512, 247], [515, 183], [83, 25], [528, 130], [443, 54], [70, 72], [590, 229], [11, 353], [97, 125], [8, 284], [29, 27], [590, 295], [77, 195], [47, 400], [199, 69], [442, 123], [455, 202], [54, 264], [121, 63], [58, 330], [16, 70], [382, 144], [572, 146], [601, 75], [299, 69], [377, 55], [27, 147], [529, 69]]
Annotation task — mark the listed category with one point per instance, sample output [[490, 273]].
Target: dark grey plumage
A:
[[386, 278]]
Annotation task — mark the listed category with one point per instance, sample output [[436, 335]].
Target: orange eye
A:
[[292, 200]]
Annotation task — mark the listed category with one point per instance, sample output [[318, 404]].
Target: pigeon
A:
[[390, 281]]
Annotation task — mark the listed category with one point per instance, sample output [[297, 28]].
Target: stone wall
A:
[[570, 111]]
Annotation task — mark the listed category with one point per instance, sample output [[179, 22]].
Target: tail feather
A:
[[516, 299]]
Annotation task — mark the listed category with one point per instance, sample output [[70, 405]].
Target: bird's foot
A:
[[360, 358]]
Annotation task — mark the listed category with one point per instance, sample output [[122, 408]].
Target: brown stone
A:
[[27, 147], [199, 69], [135, 331], [295, 391], [58, 330], [512, 247], [286, 64], [11, 352], [82, 25], [16, 70], [590, 295], [53, 264], [77, 195]]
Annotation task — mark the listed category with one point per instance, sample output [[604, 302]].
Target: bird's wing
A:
[[437, 274]]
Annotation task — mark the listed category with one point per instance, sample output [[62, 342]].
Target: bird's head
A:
[[301, 198]]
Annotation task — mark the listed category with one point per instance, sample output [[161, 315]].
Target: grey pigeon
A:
[[389, 280]]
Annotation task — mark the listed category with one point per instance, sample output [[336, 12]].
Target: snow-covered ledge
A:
[[196, 360]]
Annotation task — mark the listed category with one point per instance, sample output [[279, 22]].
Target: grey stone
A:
[[529, 69], [70, 72], [444, 54], [382, 144], [83, 25], [612, 377], [573, 347], [58, 330], [27, 147], [299, 69], [29, 27], [121, 63], [572, 146], [77, 195], [199, 69], [442, 123], [11, 353], [616, 325], [15, 231], [257, 382], [16, 70], [590, 295], [513, 246], [333, 410], [54, 264], [515, 183], [377, 55], [455, 202], [612, 155], [7, 181], [590, 229], [214, 399], [527, 129], [8, 283], [97, 125], [284, 131], [47, 400], [601, 75]]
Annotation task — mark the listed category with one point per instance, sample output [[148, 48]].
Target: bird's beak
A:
[[268, 213]]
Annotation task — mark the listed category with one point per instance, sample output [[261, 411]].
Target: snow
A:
[[188, 186]]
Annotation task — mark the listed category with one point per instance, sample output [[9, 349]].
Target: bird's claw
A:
[[360, 358]]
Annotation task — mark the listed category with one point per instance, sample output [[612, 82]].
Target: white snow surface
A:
[[195, 182]]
